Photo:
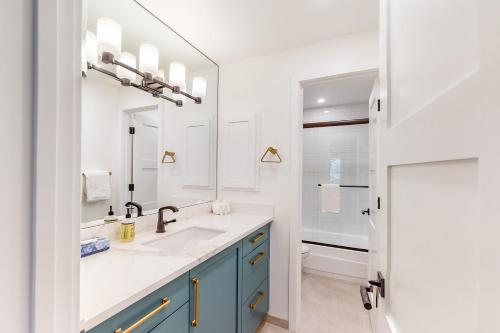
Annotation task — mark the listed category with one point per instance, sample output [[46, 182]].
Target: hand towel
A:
[[97, 185], [330, 198]]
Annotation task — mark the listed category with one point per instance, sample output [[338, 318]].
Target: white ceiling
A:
[[338, 92], [229, 30]]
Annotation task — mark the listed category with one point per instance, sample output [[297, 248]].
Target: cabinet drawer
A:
[[255, 269], [178, 322], [177, 292], [255, 308], [255, 239]]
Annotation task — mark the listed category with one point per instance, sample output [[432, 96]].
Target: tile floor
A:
[[329, 306]]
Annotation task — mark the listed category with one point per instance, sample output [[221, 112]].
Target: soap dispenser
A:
[[111, 217], [127, 228]]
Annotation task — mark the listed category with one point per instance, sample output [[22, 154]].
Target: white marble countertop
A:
[[113, 280]]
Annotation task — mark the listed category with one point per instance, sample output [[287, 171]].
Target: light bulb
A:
[[199, 87], [177, 75], [130, 60], [91, 47], [148, 59], [109, 36]]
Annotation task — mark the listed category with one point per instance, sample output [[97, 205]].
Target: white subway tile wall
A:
[[337, 155]]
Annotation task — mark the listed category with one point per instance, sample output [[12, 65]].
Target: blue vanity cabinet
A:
[[177, 293], [178, 322], [215, 293]]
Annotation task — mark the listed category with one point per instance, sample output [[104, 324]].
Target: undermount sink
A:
[[185, 240]]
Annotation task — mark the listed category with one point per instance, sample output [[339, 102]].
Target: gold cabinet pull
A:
[[258, 238], [196, 321], [258, 258], [259, 299], [164, 303]]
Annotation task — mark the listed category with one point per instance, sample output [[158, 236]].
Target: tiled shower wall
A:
[[336, 155]]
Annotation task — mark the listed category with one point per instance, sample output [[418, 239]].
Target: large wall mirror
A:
[[149, 114]]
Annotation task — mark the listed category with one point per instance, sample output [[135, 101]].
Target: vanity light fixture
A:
[[177, 74], [91, 47], [130, 60], [199, 86], [148, 60], [107, 45], [109, 36]]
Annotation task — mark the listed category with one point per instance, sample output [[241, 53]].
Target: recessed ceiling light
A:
[[326, 111], [321, 100]]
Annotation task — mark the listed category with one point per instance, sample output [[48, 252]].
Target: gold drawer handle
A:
[[164, 303], [258, 238], [257, 301], [196, 321], [258, 258]]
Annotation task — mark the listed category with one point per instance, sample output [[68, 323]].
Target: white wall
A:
[[15, 171], [262, 84]]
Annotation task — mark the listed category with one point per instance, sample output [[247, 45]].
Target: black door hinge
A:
[[131, 187], [378, 202], [378, 105], [131, 130]]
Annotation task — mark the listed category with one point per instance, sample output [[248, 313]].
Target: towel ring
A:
[[170, 154], [272, 151]]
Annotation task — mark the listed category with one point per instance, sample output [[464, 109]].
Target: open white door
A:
[[439, 178], [373, 264]]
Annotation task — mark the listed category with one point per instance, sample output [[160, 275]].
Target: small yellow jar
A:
[[127, 231]]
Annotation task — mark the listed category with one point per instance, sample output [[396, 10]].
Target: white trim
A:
[[296, 110], [57, 171]]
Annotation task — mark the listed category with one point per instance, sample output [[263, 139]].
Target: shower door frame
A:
[[296, 131], [335, 123]]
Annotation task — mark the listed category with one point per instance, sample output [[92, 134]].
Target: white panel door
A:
[[145, 159], [439, 178], [373, 265]]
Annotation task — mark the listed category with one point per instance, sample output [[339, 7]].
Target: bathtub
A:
[[347, 259]]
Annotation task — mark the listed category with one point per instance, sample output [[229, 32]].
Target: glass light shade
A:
[[161, 75], [199, 87], [130, 60], [177, 75], [148, 59], [84, 58], [91, 47], [109, 36]]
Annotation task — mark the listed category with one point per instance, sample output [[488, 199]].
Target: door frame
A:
[[56, 174], [296, 119]]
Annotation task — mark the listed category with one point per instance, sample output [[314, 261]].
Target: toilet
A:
[[305, 251]]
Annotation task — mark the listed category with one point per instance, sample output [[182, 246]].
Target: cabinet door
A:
[[214, 295], [178, 322]]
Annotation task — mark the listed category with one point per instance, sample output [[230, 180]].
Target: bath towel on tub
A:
[[330, 198]]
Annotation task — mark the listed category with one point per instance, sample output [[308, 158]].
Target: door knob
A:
[[367, 211]]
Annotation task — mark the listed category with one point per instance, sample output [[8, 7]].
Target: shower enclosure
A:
[[336, 152]]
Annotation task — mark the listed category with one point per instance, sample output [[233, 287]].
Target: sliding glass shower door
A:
[[336, 155]]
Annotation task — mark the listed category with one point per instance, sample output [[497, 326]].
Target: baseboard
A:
[[276, 321], [335, 276]]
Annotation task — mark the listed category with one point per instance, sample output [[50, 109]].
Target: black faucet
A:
[[160, 226], [136, 205]]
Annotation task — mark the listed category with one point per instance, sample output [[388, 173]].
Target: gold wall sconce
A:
[[272, 151], [169, 154]]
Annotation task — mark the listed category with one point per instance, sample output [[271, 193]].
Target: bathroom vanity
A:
[[205, 274]]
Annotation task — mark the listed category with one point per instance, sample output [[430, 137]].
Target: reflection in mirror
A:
[[149, 114]]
